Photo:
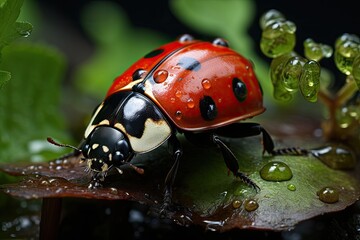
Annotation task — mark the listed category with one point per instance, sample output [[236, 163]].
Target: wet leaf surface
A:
[[204, 194]]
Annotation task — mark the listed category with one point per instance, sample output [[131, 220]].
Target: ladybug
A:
[[197, 88]]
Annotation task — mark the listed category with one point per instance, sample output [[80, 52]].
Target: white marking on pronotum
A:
[[95, 145], [105, 149], [155, 133]]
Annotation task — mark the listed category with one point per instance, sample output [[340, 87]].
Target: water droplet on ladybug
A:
[[178, 115], [251, 205], [328, 195], [178, 93], [160, 76], [276, 172], [206, 83], [190, 103], [172, 100]]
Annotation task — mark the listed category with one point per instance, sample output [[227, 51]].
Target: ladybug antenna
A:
[[52, 141]]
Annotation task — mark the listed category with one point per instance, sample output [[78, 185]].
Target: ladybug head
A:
[[106, 147]]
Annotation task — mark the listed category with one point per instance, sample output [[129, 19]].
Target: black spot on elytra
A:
[[189, 63], [154, 53], [239, 89], [208, 108], [139, 73]]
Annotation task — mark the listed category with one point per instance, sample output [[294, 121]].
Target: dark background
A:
[[324, 21]]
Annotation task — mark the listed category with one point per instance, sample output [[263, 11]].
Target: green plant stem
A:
[[334, 103]]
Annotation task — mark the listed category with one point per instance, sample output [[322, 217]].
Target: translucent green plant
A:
[[289, 72]]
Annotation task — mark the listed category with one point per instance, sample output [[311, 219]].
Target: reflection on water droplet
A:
[[45, 182], [328, 195], [206, 83], [190, 103], [58, 167], [276, 172], [251, 205], [178, 93], [336, 156], [213, 225], [178, 115], [291, 187], [113, 190], [172, 100], [160, 76], [236, 204]]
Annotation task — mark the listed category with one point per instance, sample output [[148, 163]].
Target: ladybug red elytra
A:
[[200, 89]]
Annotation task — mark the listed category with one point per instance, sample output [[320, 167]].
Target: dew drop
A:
[[190, 103], [276, 172], [160, 76], [336, 156], [328, 195], [251, 205], [45, 182], [178, 115], [113, 190], [206, 83], [178, 93], [291, 187], [236, 204], [172, 100]]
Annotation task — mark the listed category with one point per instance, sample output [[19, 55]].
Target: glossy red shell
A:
[[183, 77]]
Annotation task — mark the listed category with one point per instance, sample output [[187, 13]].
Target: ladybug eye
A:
[[139, 73], [220, 42], [185, 38]]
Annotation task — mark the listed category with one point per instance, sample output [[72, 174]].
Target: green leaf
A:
[[204, 194], [9, 28], [4, 78], [117, 46], [29, 103]]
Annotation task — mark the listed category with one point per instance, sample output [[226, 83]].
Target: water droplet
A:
[[206, 83], [236, 204], [190, 103], [291, 187], [328, 195], [178, 115], [160, 76], [25, 33], [336, 156], [251, 205], [113, 190], [178, 93], [45, 182], [276, 172]]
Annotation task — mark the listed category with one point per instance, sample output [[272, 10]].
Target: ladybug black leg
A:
[[176, 151], [240, 130], [232, 163]]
